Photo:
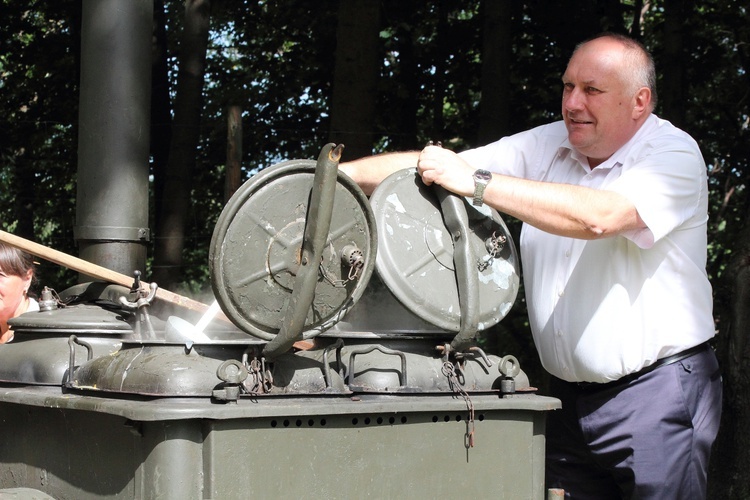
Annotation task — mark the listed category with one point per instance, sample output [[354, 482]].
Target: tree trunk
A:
[[497, 51], [355, 77], [406, 107], [25, 200], [672, 93], [233, 174], [161, 108], [729, 475], [171, 222], [437, 131]]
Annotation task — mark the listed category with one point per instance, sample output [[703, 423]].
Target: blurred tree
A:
[[497, 55], [39, 57], [354, 82], [171, 223]]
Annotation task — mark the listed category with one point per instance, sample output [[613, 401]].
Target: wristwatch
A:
[[481, 179]]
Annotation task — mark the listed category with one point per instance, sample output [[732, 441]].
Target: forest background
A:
[[375, 75]]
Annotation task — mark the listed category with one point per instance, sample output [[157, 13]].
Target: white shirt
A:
[[33, 305], [605, 308]]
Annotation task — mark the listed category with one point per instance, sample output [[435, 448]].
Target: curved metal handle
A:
[[401, 377], [72, 359], [326, 368], [317, 226], [457, 221]]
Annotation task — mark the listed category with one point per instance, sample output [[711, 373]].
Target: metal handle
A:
[[456, 220], [401, 376], [326, 368], [317, 226], [72, 359]]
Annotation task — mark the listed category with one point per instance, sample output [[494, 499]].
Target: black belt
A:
[[674, 358]]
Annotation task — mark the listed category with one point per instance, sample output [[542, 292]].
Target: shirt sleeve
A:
[[666, 181]]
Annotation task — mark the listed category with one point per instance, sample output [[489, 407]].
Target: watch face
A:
[[482, 175]]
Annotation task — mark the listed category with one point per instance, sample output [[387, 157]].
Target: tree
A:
[[39, 58], [497, 54], [354, 83], [177, 184]]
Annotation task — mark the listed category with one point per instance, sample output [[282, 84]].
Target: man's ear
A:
[[641, 102]]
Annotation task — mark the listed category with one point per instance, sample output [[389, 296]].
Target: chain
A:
[[356, 261], [449, 370], [493, 245], [259, 379]]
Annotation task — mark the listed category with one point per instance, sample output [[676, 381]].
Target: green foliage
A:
[[276, 60], [38, 80]]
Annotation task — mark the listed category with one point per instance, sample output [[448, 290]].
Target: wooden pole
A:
[[99, 272], [102, 273]]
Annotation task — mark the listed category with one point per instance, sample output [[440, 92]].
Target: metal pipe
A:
[[113, 142]]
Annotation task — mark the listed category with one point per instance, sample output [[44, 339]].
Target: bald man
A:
[[613, 248]]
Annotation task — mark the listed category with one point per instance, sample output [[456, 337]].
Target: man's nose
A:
[[573, 100]]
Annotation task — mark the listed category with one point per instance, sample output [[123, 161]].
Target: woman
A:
[[16, 276]]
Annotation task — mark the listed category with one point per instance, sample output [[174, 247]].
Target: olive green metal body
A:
[[372, 446]]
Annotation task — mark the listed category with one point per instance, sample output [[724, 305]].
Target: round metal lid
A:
[[415, 254], [255, 250], [78, 319]]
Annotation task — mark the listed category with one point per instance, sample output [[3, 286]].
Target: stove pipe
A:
[[113, 142]]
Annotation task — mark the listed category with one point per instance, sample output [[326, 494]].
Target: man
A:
[[613, 250]]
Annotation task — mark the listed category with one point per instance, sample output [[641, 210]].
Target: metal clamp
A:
[[457, 222], [141, 305], [509, 367], [232, 373], [260, 378]]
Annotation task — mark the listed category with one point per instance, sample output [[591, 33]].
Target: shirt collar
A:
[[617, 157]]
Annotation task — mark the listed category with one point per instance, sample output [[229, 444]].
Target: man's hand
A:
[[447, 169]]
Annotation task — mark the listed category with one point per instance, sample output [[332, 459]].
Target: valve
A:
[[48, 301], [140, 306]]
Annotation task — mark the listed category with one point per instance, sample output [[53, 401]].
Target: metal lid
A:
[[77, 319], [256, 250], [415, 255]]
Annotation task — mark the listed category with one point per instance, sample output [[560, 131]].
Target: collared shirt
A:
[[601, 309]]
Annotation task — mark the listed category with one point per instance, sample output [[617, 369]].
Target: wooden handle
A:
[[102, 273], [99, 272]]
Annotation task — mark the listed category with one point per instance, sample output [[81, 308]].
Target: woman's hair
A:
[[15, 262]]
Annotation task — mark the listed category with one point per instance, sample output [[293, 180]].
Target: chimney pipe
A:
[[113, 143]]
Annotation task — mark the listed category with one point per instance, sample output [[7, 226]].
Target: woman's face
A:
[[12, 290]]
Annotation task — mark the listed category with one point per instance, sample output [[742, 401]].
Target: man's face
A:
[[598, 109]]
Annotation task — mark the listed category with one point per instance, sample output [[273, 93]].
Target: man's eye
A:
[[593, 90]]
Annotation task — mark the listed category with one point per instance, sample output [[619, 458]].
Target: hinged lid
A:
[[416, 254], [255, 251]]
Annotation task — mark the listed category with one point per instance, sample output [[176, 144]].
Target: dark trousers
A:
[[648, 437]]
